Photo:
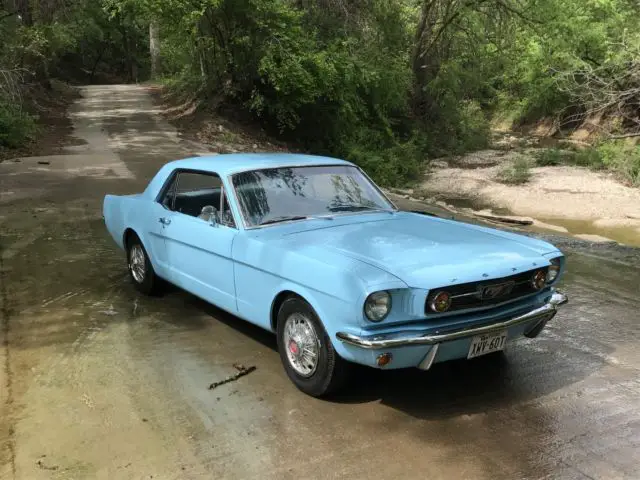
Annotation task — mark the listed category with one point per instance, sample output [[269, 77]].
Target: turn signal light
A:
[[384, 359], [441, 302]]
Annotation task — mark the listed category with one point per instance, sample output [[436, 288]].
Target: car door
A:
[[198, 250], [156, 228]]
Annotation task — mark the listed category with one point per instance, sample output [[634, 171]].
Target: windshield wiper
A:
[[283, 219], [354, 207]]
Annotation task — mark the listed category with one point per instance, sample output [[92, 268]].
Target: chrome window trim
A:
[[246, 226], [222, 198]]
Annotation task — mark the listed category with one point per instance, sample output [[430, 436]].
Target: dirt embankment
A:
[[210, 124], [585, 203]]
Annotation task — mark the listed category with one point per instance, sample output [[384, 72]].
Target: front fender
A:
[[336, 315]]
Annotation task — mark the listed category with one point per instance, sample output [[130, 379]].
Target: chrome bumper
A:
[[402, 339]]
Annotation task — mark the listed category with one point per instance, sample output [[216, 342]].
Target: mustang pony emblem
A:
[[497, 290]]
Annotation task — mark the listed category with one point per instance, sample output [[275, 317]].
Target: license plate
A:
[[483, 344]]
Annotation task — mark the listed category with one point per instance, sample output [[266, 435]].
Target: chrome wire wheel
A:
[[301, 344], [137, 263]]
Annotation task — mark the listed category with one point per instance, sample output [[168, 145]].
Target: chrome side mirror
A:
[[209, 214]]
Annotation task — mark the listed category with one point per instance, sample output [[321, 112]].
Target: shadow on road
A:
[[528, 370]]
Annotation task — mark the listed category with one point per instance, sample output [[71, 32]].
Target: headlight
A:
[[377, 306], [554, 270]]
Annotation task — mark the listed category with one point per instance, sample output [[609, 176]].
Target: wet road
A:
[[99, 382]]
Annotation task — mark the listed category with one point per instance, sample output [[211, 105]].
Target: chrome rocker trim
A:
[[402, 339]]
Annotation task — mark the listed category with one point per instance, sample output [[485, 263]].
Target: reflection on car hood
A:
[[423, 252]]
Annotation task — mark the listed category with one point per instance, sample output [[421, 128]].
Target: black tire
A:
[[331, 371], [147, 282]]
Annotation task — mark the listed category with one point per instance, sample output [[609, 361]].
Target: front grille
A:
[[469, 295]]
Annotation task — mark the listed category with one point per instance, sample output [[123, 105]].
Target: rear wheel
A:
[[141, 271], [306, 351]]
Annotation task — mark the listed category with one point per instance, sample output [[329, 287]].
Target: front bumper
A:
[[533, 322]]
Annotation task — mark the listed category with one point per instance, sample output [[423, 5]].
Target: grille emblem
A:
[[496, 290]]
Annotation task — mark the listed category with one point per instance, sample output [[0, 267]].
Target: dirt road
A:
[[99, 382]]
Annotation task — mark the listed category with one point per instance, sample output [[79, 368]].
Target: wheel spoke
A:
[[303, 356], [137, 263]]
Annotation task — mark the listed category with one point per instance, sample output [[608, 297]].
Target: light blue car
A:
[[311, 249]]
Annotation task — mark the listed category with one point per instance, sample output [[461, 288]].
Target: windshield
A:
[[296, 193]]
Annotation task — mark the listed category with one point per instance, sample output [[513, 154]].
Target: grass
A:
[[623, 158], [549, 157], [620, 157], [517, 173]]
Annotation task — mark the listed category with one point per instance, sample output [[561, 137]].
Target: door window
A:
[[198, 195]]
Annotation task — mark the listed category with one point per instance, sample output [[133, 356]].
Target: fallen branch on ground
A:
[[242, 371], [503, 219], [626, 135]]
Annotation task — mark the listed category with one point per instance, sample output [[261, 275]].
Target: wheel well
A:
[[277, 303], [129, 233]]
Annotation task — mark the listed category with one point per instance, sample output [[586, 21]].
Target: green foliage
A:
[[392, 165], [517, 173], [386, 84], [623, 158], [304, 76], [16, 126], [618, 156], [549, 157], [587, 157]]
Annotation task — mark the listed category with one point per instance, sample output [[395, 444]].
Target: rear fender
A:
[[112, 211]]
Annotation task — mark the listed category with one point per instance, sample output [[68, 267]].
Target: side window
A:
[[198, 194]]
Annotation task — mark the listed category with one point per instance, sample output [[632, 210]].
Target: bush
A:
[[549, 157], [515, 174], [588, 157], [621, 157], [388, 165], [617, 156], [16, 126]]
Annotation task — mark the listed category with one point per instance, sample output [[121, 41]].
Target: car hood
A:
[[423, 252]]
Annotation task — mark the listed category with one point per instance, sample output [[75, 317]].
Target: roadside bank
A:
[[587, 204]]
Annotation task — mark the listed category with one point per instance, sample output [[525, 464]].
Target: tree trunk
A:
[[154, 48]]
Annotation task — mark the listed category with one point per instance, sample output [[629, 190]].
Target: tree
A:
[[154, 47]]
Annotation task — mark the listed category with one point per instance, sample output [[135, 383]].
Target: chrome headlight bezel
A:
[[553, 272], [380, 300]]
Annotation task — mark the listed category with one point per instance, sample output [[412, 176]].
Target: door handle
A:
[[164, 221]]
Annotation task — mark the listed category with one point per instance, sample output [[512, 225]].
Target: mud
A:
[[99, 382]]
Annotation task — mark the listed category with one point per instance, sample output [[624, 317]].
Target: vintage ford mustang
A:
[[311, 249]]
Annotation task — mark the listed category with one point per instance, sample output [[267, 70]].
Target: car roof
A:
[[230, 163]]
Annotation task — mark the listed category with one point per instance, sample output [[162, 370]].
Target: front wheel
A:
[[306, 351]]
